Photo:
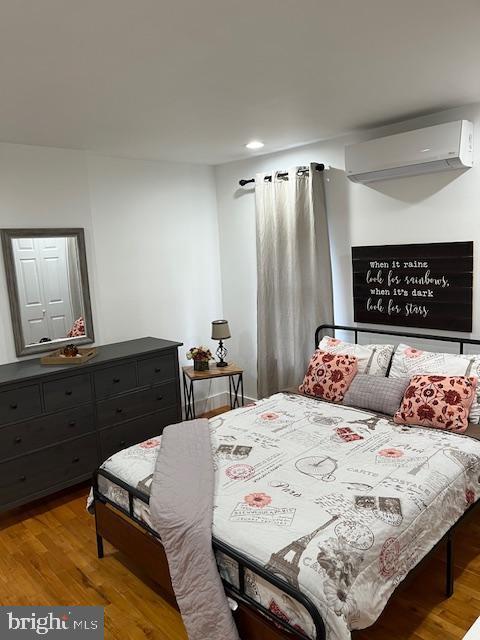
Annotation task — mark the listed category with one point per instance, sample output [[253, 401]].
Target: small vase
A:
[[200, 365]]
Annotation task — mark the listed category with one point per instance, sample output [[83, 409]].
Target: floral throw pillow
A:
[[328, 375], [78, 328], [408, 361], [442, 402]]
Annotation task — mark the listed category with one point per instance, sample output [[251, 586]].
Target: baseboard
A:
[[202, 405]]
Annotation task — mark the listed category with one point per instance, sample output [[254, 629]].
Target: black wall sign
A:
[[414, 285]]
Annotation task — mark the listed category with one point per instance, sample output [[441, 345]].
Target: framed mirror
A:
[[47, 282]]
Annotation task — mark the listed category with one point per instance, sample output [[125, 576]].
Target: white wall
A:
[[151, 235], [41, 187], [157, 255], [433, 208]]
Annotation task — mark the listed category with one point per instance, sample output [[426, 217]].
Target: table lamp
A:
[[220, 331]]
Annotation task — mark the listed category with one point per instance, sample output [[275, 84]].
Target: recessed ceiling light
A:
[[255, 144]]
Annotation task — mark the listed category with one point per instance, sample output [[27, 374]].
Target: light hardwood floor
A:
[[216, 412], [48, 557]]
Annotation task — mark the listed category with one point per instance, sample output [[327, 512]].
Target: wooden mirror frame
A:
[[8, 235]]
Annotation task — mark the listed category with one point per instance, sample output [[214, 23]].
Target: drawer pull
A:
[[158, 369], [18, 439], [68, 392], [119, 410], [22, 478], [76, 459], [159, 397], [72, 423], [116, 380], [13, 405]]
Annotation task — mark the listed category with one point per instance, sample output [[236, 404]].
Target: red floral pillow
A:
[[442, 402], [78, 328], [329, 375]]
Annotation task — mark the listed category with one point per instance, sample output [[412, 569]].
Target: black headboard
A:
[[399, 334]]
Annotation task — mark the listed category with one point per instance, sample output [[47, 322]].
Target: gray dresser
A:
[[57, 424]]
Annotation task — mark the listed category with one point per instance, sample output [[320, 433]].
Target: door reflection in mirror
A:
[[49, 288]]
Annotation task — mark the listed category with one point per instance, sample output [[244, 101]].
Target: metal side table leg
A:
[[189, 398], [235, 387]]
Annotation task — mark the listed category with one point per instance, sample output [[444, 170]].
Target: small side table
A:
[[235, 385]]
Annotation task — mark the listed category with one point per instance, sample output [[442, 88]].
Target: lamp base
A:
[[221, 354]]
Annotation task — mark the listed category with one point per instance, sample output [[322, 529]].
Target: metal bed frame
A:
[[251, 616]]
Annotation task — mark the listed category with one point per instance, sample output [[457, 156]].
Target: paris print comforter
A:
[[340, 502]]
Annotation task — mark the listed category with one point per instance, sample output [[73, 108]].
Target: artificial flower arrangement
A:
[[200, 356]]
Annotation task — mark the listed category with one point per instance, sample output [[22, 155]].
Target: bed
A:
[[321, 510]]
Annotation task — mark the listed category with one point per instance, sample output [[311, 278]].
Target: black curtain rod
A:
[[244, 181]]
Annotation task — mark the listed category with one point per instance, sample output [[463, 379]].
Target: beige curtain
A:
[[293, 274]]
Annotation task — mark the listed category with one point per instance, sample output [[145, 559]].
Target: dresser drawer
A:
[[33, 473], [114, 380], [136, 404], [125, 435], [156, 369], [68, 392], [19, 404], [19, 439]]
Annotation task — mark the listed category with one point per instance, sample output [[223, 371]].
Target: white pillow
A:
[[373, 359], [408, 361]]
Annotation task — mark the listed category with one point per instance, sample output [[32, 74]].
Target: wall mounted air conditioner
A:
[[437, 148]]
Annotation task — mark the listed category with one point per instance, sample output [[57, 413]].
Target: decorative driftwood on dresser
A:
[[58, 423]]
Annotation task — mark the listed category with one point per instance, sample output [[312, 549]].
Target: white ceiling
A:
[[194, 80]]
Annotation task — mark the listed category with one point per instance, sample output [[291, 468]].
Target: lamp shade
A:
[[220, 330]]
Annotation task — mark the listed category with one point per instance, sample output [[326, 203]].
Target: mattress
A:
[[340, 502]]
